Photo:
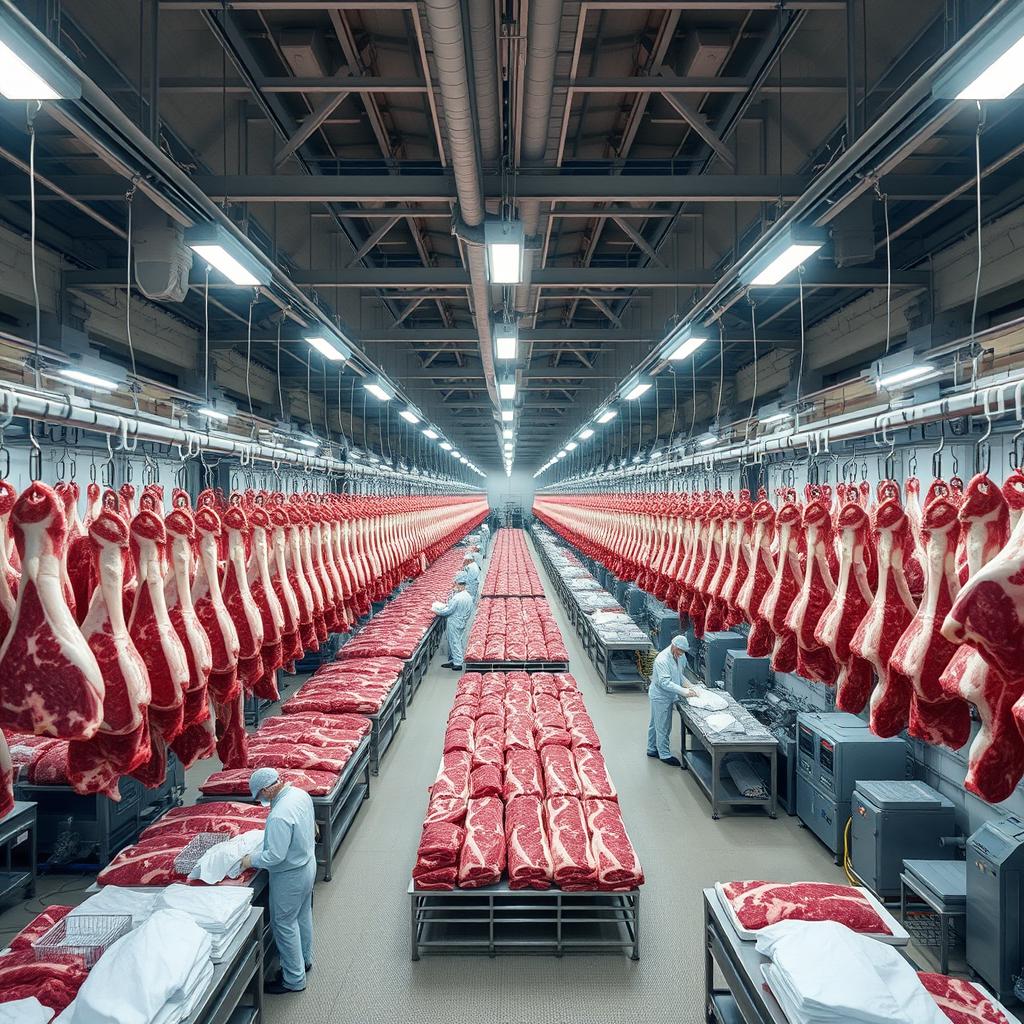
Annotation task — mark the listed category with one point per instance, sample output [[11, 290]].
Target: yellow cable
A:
[[846, 853]]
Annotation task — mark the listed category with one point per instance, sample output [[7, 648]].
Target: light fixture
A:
[[901, 368], [27, 72], [506, 340], [507, 415], [89, 380], [309, 442], [455, 454], [227, 254], [329, 347], [635, 387], [992, 68], [586, 433], [409, 416], [380, 389], [684, 343], [782, 256], [607, 416], [571, 446], [445, 446], [507, 390], [772, 413], [507, 433], [504, 240], [212, 413], [908, 375], [561, 455], [430, 434], [707, 439]]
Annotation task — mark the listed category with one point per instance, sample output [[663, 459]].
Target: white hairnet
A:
[[261, 778], [680, 643]]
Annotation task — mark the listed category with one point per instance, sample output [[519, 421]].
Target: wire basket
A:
[[85, 935], [189, 856]]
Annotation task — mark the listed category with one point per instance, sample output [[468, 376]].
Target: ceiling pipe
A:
[[448, 39]]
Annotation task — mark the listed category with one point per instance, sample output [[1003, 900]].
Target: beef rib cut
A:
[[760, 904], [238, 599], [786, 584], [211, 612]]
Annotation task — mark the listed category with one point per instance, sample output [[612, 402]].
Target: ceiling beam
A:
[[674, 84], [594, 5]]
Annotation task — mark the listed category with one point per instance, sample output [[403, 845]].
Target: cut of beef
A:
[[150, 862], [482, 859], [213, 615], [453, 775], [54, 979], [786, 584], [922, 652], [9, 577], [888, 616], [39, 926], [437, 857], [232, 739], [569, 839], [593, 772], [150, 625], [6, 779], [759, 904], [526, 840], [523, 775], [264, 754], [852, 597], [291, 641], [485, 781], [261, 586], [961, 1000], [51, 683], [238, 600], [560, 777], [618, 868], [235, 781]]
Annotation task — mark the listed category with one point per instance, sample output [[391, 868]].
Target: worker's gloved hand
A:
[[246, 862]]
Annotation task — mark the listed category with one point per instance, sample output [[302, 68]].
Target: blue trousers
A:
[[291, 919], [659, 731], [456, 645]]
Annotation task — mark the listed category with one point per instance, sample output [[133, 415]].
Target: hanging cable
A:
[[800, 372], [884, 198], [977, 206], [721, 369], [129, 196], [248, 361], [753, 328], [33, 108], [206, 337], [309, 400], [280, 391], [693, 397]]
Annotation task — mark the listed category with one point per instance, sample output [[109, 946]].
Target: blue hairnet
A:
[[261, 778], [680, 643]]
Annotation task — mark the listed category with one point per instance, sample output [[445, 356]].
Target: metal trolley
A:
[[496, 921]]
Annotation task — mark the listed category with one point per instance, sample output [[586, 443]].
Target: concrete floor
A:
[[363, 971]]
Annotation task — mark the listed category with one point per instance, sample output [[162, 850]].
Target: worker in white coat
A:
[[472, 571], [485, 539], [665, 689], [458, 611], [289, 857]]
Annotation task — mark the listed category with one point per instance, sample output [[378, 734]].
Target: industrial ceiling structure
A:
[[645, 146]]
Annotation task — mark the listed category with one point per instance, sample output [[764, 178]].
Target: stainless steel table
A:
[[744, 996], [17, 828], [236, 989], [704, 753]]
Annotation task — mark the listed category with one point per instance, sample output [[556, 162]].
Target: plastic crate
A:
[[85, 935]]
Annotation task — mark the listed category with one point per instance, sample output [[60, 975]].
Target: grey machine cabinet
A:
[[893, 821], [746, 676], [714, 648], [834, 752], [995, 903]]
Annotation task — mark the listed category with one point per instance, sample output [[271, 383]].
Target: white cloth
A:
[[164, 958], [215, 910], [192, 993], [225, 859], [875, 985], [114, 899], [436, 606], [25, 1011], [723, 722], [707, 701]]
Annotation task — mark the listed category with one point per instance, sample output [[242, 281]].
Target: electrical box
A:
[[894, 821], [711, 659], [745, 676], [634, 601], [995, 903], [834, 752]]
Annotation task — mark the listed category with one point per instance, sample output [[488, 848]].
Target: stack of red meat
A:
[[53, 979], [912, 608], [962, 1001], [359, 686], [150, 861], [166, 619], [523, 791], [511, 571], [518, 629], [397, 630]]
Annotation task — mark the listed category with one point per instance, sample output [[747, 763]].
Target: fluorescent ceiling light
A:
[[906, 376], [561, 455], [212, 414], [571, 446], [455, 454], [775, 417], [431, 435], [507, 390], [684, 344], [308, 442], [445, 446], [656, 455], [586, 433], [507, 432], [506, 340], [227, 254], [504, 241], [707, 440], [607, 416], [507, 415], [380, 389], [27, 72], [409, 416], [636, 387], [329, 348], [89, 380], [992, 67], [782, 256]]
